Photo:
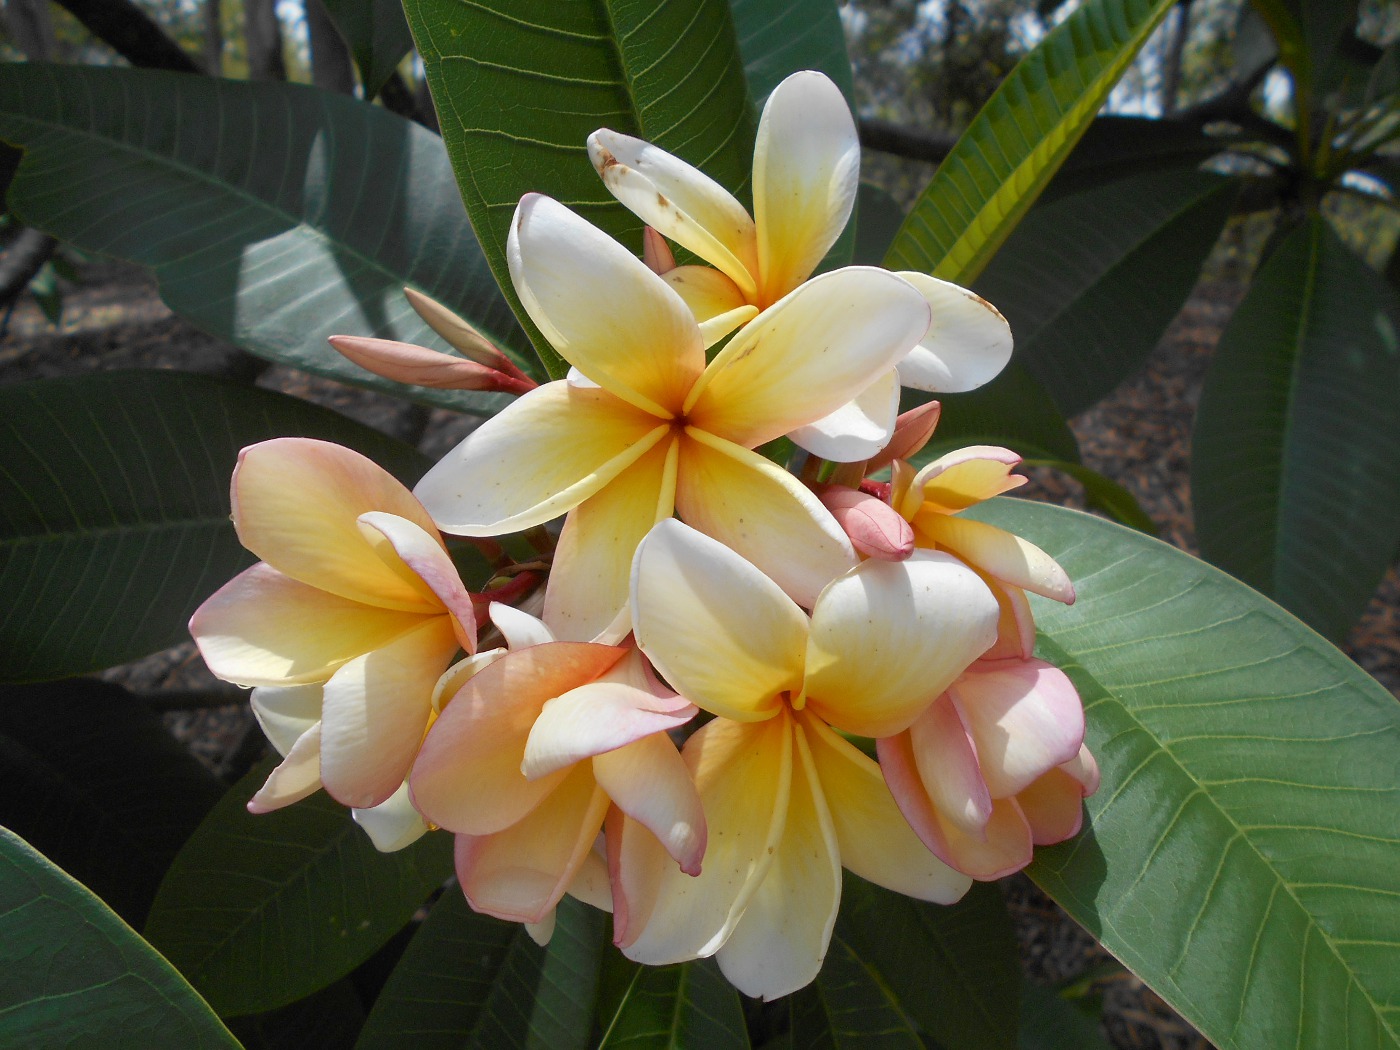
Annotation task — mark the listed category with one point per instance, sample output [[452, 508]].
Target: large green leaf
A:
[[777, 39], [1293, 475], [1241, 853], [470, 981], [1089, 282], [90, 776], [520, 85], [1023, 133], [73, 974], [273, 215], [259, 911], [378, 37], [1012, 410], [1118, 147], [114, 507], [1049, 1022], [848, 1007], [674, 1007]]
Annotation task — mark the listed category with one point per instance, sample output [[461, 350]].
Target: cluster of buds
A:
[[738, 679]]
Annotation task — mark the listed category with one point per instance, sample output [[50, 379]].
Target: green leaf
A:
[[90, 776], [114, 507], [378, 37], [1116, 148], [471, 981], [1049, 1022], [521, 84], [670, 1007], [1240, 853], [878, 218], [291, 215], [952, 969], [73, 974], [1294, 478], [777, 40], [1090, 282], [1012, 410], [848, 1006], [1023, 133], [259, 911], [1103, 493]]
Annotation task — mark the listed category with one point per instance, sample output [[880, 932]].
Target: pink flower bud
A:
[[872, 524], [912, 431], [656, 253], [419, 366], [460, 335]]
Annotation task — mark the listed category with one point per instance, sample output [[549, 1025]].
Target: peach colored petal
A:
[[296, 502], [295, 778], [520, 872], [574, 439], [601, 308], [459, 673], [806, 164], [966, 476], [967, 344], [759, 510], [1052, 807], [780, 941], [656, 253], [374, 711], [707, 292], [888, 637], [393, 824], [716, 628], [649, 781], [595, 718], [856, 430], [425, 556], [999, 553], [946, 759], [593, 560], [263, 628], [467, 777], [1016, 623]]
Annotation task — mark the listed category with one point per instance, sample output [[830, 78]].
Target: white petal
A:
[[596, 718], [518, 627], [393, 824], [858, 429], [286, 712], [968, 342]]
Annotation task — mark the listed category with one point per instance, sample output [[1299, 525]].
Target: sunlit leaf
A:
[[259, 911], [1018, 139], [1240, 854], [273, 215], [779, 39], [1294, 479], [73, 974], [114, 507]]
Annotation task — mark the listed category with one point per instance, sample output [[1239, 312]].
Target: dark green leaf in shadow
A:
[[1293, 477], [273, 215], [848, 1006], [114, 507], [665, 1007], [1049, 1022], [953, 969], [378, 37], [1103, 493], [73, 974], [1240, 854], [1116, 148], [519, 86], [330, 1019], [468, 980], [91, 776], [1020, 137], [777, 40], [1012, 410], [1089, 282], [878, 218], [259, 911]]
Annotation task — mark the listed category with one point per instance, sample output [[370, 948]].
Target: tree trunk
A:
[[264, 36], [31, 27], [331, 66], [214, 37]]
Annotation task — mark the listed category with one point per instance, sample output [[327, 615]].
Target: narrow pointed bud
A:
[[419, 366], [872, 524], [912, 431], [460, 334], [656, 253]]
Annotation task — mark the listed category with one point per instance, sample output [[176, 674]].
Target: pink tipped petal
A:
[[296, 503], [806, 356], [912, 431], [1015, 626], [286, 712], [999, 553], [806, 165], [1052, 807], [968, 342], [593, 560], [780, 941], [876, 841], [601, 308], [467, 777], [856, 430], [461, 335], [374, 712], [680, 201], [874, 527], [743, 773], [716, 628], [298, 775], [263, 628], [419, 366], [575, 439], [759, 510], [591, 883], [947, 763], [888, 637], [518, 627], [425, 556], [649, 781], [520, 872], [594, 719], [1025, 718], [393, 824], [451, 681], [1084, 769], [656, 253], [966, 476]]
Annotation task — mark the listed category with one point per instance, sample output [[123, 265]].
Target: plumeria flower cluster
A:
[[738, 679]]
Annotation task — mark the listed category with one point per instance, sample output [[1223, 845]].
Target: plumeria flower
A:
[[355, 595], [806, 167], [647, 428], [932, 499], [788, 799], [530, 752], [996, 766]]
